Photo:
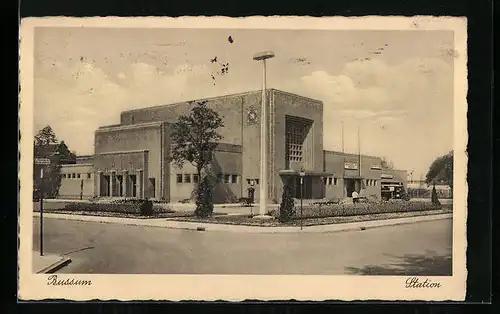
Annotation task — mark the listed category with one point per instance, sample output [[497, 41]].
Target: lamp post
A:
[[43, 162], [263, 56], [302, 174]]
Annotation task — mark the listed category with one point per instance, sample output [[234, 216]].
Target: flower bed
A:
[[125, 207], [246, 220], [121, 214], [340, 210]]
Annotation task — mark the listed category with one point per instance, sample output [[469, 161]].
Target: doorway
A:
[[352, 185], [306, 192], [133, 185]]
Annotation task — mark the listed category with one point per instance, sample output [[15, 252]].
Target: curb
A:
[[64, 261], [197, 226]]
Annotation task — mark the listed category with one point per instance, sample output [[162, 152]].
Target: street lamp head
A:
[[263, 55]]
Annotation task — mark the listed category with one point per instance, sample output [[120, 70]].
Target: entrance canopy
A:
[[307, 173]]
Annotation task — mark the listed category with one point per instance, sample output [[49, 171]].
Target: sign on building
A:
[[376, 167], [42, 161], [387, 176], [351, 166]]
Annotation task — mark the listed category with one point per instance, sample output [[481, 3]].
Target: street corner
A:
[[49, 263]]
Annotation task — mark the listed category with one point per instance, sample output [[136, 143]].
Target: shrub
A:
[[287, 204], [338, 210], [131, 206], [434, 197], [204, 201], [146, 208]]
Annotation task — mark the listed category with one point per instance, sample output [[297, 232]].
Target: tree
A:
[[64, 155], [46, 146], [441, 171], [195, 138]]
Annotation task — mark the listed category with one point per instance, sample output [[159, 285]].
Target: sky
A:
[[395, 86]]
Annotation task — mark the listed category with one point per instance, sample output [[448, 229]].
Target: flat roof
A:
[[348, 154], [222, 96]]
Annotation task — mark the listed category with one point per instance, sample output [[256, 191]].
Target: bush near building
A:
[[338, 210], [132, 206], [286, 210]]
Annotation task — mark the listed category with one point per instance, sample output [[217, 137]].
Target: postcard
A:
[[255, 158]]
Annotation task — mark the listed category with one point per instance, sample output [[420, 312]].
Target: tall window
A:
[[179, 178], [195, 178], [234, 178], [187, 178], [295, 139]]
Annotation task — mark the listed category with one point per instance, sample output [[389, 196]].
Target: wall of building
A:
[[226, 162], [370, 172], [364, 168], [85, 159], [72, 177], [228, 108], [334, 183], [398, 176], [401, 176], [133, 147], [250, 144], [297, 106]]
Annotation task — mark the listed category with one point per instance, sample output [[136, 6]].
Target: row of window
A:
[[76, 175], [335, 181], [331, 181], [193, 178]]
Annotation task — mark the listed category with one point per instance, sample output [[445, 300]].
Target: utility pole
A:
[[342, 133], [359, 153], [43, 162]]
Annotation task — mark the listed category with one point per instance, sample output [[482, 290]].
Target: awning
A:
[[307, 173]]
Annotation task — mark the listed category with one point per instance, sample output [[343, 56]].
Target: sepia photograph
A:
[[273, 152]]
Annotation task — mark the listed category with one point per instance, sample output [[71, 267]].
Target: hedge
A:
[[336, 210], [133, 206]]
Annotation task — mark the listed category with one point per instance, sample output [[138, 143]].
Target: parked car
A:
[[397, 192]]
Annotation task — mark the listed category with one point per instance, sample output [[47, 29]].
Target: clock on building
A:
[[252, 116]]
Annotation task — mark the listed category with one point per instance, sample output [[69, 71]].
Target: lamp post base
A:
[[263, 217]]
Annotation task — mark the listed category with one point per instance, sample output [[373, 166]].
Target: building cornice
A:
[[220, 97], [124, 152], [130, 126], [77, 165]]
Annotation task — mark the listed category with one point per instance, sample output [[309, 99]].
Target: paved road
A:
[[413, 249]]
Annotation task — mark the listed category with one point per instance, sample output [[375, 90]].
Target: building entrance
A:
[[306, 188], [352, 185]]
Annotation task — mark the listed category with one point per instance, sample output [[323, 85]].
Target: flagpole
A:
[[342, 131], [359, 153]]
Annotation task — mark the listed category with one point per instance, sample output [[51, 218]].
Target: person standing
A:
[[355, 197], [251, 193]]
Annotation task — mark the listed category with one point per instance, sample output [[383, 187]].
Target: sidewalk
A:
[[48, 263], [164, 223]]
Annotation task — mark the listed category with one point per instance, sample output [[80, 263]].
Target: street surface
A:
[[422, 248]]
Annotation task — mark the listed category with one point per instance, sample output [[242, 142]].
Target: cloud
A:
[[81, 94], [404, 111]]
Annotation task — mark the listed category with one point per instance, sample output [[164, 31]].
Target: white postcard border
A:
[[241, 287]]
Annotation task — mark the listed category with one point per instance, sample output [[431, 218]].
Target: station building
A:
[[131, 158]]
